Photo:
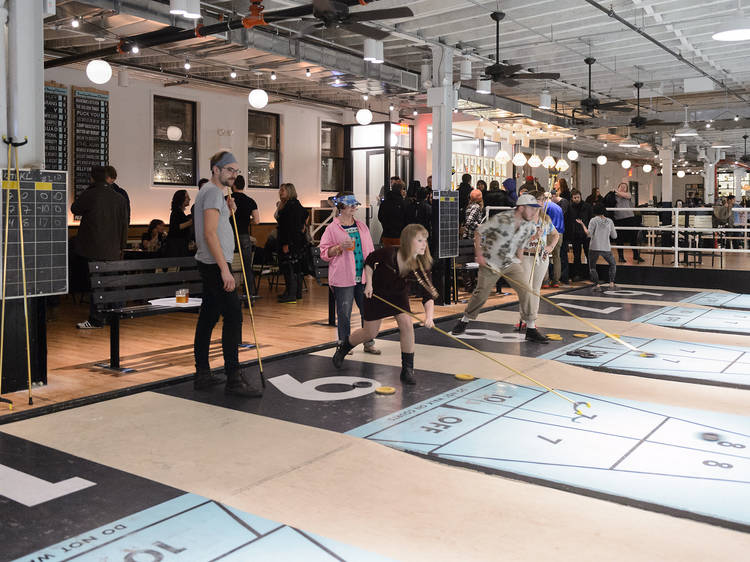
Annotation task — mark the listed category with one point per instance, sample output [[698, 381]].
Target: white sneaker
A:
[[86, 325]]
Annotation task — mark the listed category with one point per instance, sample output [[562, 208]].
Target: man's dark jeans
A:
[[217, 302]]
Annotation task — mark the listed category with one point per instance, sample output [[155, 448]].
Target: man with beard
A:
[[578, 210]]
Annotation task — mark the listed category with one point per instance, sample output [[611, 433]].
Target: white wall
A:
[[131, 140]]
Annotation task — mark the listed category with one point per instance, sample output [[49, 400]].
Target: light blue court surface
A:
[[714, 320], [647, 454], [192, 527], [674, 360], [724, 300]]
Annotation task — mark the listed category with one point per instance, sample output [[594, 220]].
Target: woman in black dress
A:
[[178, 237], [292, 221], [388, 272]]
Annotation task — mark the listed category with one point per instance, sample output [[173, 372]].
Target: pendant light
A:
[[519, 158], [686, 130], [573, 154], [98, 71], [737, 28], [193, 10], [545, 100], [178, 7], [680, 173], [601, 159], [502, 156], [535, 161], [647, 168], [364, 116], [625, 164], [484, 86], [258, 98]]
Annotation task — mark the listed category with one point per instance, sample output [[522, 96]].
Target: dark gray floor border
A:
[[622, 500], [155, 385]]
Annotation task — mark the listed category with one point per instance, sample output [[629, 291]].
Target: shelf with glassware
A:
[[725, 183], [480, 167]]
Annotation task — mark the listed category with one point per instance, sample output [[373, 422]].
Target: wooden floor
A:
[[161, 347]]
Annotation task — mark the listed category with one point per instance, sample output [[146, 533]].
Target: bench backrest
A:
[[126, 280]]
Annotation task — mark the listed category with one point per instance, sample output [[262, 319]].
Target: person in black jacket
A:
[[496, 197], [392, 216], [464, 190], [103, 232], [179, 235], [292, 220], [423, 210], [578, 210], [111, 177]]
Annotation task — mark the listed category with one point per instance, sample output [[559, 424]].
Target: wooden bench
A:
[[321, 276], [115, 283]]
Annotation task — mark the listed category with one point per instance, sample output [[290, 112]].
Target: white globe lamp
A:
[[364, 116], [573, 154], [681, 173], [601, 159], [258, 98], [647, 168], [99, 71], [174, 133], [625, 164]]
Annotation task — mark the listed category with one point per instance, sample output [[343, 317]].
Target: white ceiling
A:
[[543, 35]]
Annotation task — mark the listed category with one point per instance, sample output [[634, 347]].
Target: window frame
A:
[[342, 159], [276, 150], [194, 105]]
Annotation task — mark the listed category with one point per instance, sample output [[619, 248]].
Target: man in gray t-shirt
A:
[[215, 240]]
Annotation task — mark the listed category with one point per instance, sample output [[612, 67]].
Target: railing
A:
[[688, 225]]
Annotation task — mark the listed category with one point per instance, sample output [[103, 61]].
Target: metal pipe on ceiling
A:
[[611, 13]]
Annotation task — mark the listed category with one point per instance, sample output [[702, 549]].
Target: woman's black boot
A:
[[407, 368], [341, 352]]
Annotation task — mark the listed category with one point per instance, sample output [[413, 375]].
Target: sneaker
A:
[[545, 286], [535, 336], [86, 325], [555, 285], [370, 348], [288, 300], [459, 328]]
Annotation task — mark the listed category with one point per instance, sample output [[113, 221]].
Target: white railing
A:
[[683, 228]]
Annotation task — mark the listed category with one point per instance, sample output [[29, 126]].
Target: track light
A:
[[708, 125], [233, 74], [273, 76], [415, 112], [76, 22], [391, 107], [187, 64], [308, 73], [365, 97], [605, 145]]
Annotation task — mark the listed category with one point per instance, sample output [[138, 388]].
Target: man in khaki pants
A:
[[498, 248]]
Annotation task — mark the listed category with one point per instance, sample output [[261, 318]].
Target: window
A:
[[331, 157], [174, 142], [262, 149]]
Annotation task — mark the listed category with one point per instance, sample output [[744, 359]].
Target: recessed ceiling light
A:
[[308, 73]]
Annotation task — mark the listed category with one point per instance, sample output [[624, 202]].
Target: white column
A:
[[441, 99], [666, 152], [739, 175], [25, 80], [4, 79], [709, 174]]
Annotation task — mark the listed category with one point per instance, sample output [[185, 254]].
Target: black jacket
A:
[[464, 190], [292, 220], [103, 232], [573, 230], [497, 198], [392, 215]]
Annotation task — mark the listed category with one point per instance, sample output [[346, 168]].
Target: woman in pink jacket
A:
[[345, 244]]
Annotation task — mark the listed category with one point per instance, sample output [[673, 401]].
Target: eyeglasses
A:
[[234, 171]]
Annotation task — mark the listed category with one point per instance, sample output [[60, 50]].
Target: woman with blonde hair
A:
[[388, 272]]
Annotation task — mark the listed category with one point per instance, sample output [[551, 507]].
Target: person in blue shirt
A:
[[555, 212]]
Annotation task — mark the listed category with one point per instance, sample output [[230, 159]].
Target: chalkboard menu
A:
[[55, 128], [91, 135], [45, 232]]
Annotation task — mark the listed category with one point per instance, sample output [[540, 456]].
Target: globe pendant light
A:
[[573, 154], [548, 162], [647, 168], [681, 174], [625, 164], [258, 98], [364, 116], [99, 71], [601, 159]]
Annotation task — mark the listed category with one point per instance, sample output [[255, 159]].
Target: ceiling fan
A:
[[591, 104], [745, 158], [507, 74], [640, 122], [329, 14]]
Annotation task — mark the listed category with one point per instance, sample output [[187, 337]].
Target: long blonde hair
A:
[[408, 234], [291, 193]]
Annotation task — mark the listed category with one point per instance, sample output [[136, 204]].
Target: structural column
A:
[[441, 98], [666, 152]]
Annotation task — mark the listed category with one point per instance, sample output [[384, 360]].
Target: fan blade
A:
[[310, 28], [613, 104], [502, 70], [385, 14], [616, 109], [366, 31], [536, 76], [508, 82], [288, 14]]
